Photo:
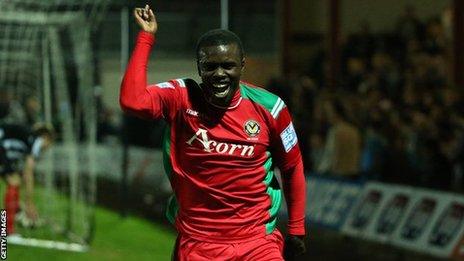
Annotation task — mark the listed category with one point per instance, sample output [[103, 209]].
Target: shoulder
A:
[[179, 84], [180, 91], [172, 84], [269, 101]]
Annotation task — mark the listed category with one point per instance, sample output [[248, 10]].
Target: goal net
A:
[[47, 75]]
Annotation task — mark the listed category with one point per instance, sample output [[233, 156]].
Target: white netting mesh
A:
[[24, 24], [46, 56]]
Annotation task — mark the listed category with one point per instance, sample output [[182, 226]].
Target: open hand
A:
[[146, 19]]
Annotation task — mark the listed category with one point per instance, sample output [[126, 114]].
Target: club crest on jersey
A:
[[252, 128]]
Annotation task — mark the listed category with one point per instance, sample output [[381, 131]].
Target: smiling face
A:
[[220, 68]]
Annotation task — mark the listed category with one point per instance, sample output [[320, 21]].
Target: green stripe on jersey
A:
[[277, 108], [276, 199], [270, 101], [269, 169], [273, 190], [173, 206], [172, 209]]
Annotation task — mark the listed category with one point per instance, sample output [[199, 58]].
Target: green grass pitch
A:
[[116, 238]]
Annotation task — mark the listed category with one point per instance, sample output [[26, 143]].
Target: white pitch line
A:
[[19, 240]]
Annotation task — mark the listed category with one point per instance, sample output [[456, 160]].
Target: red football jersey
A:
[[220, 161]]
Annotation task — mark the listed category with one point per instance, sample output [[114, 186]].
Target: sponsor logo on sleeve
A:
[[288, 136]]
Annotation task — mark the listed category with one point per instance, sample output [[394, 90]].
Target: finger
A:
[[137, 12], [138, 18], [145, 10], [144, 13], [152, 15]]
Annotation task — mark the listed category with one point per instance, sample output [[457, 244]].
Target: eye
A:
[[209, 66], [228, 66]]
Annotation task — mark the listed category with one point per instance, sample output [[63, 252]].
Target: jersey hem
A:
[[225, 240]]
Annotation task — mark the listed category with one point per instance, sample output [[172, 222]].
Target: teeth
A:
[[220, 85]]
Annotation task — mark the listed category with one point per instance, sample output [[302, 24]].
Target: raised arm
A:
[[134, 97]]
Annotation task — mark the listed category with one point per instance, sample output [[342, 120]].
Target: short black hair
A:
[[219, 37]]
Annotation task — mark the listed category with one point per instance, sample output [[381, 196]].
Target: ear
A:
[[243, 65], [200, 54]]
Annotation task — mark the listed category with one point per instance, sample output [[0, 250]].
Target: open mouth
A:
[[220, 89]]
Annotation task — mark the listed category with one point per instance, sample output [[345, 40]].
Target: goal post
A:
[[39, 39]]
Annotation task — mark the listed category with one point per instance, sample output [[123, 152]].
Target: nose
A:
[[219, 72]]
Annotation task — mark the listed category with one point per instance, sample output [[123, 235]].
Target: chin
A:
[[222, 96]]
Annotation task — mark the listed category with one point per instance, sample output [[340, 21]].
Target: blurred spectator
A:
[[385, 73], [409, 27], [355, 74], [302, 104], [11, 110], [360, 44], [32, 110], [342, 150], [435, 40], [405, 121], [374, 147], [108, 124], [447, 22]]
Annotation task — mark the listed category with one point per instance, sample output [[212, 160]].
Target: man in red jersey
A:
[[220, 148]]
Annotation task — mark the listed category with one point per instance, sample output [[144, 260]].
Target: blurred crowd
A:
[[13, 110], [395, 115], [27, 110]]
